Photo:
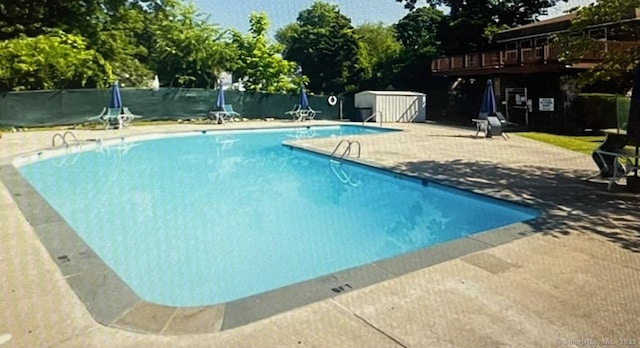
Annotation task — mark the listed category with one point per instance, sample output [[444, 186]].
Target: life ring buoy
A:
[[332, 100]]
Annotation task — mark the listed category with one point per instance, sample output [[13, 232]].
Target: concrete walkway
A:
[[574, 283]]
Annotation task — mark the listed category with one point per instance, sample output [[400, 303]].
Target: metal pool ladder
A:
[[347, 150], [63, 137], [335, 161], [69, 159]]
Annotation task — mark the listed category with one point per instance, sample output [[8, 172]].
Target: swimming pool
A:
[[214, 217]]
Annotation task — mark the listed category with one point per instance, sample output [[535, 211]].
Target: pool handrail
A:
[[347, 150], [63, 137]]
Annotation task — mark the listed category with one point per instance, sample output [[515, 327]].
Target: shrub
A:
[[597, 111]]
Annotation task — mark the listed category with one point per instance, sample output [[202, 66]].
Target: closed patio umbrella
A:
[[488, 106], [304, 101], [220, 101], [489, 117], [115, 100]]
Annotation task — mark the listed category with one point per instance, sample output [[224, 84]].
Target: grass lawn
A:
[[582, 144]]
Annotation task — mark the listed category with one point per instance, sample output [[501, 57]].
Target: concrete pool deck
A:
[[577, 279]]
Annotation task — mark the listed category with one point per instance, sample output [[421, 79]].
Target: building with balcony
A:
[[533, 85]]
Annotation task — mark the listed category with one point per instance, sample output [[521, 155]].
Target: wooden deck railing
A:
[[592, 51]]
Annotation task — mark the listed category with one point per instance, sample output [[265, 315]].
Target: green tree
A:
[[469, 24], [408, 4], [382, 51], [285, 35], [134, 37], [117, 42], [615, 72], [186, 51], [324, 43], [81, 17], [417, 31], [55, 60], [33, 18], [379, 41], [260, 62], [114, 29]]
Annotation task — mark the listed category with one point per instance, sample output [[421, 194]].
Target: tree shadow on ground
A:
[[568, 203]]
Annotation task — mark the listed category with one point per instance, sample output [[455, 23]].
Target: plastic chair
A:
[[228, 113], [110, 117], [307, 114], [128, 117], [294, 112], [491, 125], [613, 161], [99, 117]]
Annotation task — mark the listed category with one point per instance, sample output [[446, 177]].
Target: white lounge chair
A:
[[99, 117], [293, 112], [307, 114], [115, 117], [110, 118], [228, 113], [128, 117]]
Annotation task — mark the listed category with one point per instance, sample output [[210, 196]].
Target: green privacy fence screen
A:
[[67, 107]]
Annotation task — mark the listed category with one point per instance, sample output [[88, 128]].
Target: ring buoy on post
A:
[[332, 100]]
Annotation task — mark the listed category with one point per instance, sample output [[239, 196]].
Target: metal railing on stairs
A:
[[336, 164], [372, 116], [347, 149], [67, 138], [63, 138]]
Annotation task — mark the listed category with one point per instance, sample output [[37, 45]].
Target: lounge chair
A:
[[613, 161], [99, 117], [110, 117], [114, 118], [128, 117], [228, 114], [214, 114], [307, 114], [293, 112], [312, 114], [491, 125]]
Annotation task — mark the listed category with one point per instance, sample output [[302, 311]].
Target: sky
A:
[[234, 14]]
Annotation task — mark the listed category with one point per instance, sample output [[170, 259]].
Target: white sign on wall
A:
[[545, 104]]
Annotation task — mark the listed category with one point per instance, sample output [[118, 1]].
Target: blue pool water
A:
[[209, 218]]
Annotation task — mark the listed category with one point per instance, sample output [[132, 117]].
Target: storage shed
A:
[[392, 106]]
